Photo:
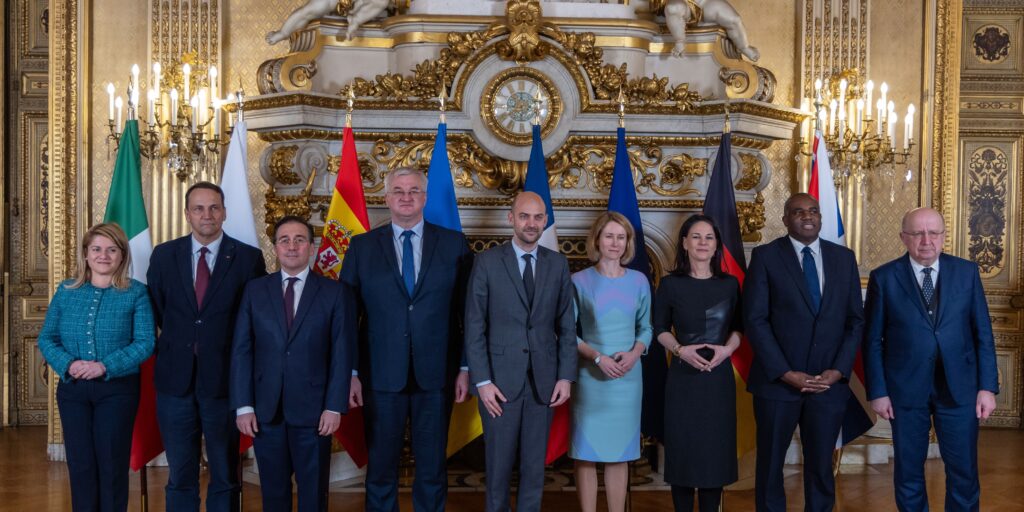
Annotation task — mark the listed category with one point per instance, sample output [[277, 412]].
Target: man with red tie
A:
[[196, 283]]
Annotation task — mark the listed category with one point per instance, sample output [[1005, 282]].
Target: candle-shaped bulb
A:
[[213, 81], [213, 73], [892, 106], [156, 68], [910, 110], [135, 75], [842, 86], [186, 71], [817, 85], [870, 86], [119, 104], [110, 95], [884, 88], [110, 88]]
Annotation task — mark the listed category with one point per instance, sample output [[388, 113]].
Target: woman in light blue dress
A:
[[613, 311]]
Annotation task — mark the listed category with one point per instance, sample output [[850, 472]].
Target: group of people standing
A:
[[416, 322]]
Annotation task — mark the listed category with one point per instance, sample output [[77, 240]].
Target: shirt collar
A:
[[918, 267], [398, 230], [213, 246], [520, 252], [799, 246], [301, 275]]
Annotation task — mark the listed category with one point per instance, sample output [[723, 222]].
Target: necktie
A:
[[528, 277], [289, 302], [811, 276], [927, 286], [202, 276], [408, 262]]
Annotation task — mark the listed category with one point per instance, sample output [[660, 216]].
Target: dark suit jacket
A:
[[182, 324], [782, 327], [901, 342], [304, 370], [505, 336], [396, 328]]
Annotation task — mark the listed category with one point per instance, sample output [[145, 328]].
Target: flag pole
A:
[[442, 98], [144, 488], [622, 108], [350, 105]]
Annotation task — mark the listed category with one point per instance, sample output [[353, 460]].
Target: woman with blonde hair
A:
[[98, 330], [613, 312]]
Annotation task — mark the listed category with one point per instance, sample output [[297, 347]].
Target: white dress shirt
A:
[[815, 253], [211, 256], [919, 274], [417, 245]]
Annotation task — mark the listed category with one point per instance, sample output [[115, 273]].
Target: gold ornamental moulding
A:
[[523, 35]]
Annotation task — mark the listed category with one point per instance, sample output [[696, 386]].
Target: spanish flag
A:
[[346, 218]]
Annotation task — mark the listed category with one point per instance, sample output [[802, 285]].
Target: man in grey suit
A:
[[521, 348]]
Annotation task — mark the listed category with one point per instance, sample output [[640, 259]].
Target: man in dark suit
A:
[[409, 277], [196, 283], [521, 347], [290, 369], [929, 356], [803, 317]]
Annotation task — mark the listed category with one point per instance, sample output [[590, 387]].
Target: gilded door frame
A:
[[5, 335]]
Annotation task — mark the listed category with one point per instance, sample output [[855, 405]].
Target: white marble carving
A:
[[717, 12]]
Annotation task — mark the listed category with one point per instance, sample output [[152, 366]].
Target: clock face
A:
[[517, 98]]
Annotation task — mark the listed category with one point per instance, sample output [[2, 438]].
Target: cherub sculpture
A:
[[719, 12], [361, 12]]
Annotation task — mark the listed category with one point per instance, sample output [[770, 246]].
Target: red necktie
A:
[[289, 302], [202, 276]]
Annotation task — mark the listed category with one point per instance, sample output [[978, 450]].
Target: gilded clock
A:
[[516, 98]]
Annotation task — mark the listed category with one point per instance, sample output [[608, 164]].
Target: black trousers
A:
[[97, 418]]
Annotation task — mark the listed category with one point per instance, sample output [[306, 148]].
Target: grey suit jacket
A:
[[505, 336]]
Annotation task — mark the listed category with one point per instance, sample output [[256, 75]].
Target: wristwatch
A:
[[597, 360]]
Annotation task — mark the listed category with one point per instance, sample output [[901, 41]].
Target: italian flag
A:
[[126, 208]]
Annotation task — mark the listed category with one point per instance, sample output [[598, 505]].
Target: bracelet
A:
[[597, 360]]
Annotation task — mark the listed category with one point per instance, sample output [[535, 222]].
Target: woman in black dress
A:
[[697, 319]]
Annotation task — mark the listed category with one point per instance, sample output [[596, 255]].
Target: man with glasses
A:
[[290, 367], [930, 357], [410, 277]]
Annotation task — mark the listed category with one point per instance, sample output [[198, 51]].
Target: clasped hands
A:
[[689, 355], [86, 370], [808, 383], [492, 397], [329, 423], [620, 363]]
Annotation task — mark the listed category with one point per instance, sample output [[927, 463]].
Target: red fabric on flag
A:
[[558, 436], [146, 441], [352, 435]]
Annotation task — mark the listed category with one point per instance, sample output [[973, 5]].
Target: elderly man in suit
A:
[[196, 284], [521, 347], [930, 357], [410, 280], [803, 316], [290, 369]]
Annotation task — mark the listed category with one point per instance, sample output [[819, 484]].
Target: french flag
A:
[[859, 417]]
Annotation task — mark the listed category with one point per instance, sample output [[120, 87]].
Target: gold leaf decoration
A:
[[282, 160]]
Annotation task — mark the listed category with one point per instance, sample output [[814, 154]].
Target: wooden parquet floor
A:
[[29, 483]]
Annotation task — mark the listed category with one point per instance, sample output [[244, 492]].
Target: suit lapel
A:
[[305, 303], [276, 295], [907, 279], [387, 247], [512, 267], [947, 275], [792, 266], [542, 274], [184, 261], [829, 260], [225, 256], [429, 245]]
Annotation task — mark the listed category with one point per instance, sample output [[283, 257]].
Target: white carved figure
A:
[[718, 12], [361, 12]]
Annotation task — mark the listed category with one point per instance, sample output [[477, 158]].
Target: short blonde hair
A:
[[121, 279], [595, 234]]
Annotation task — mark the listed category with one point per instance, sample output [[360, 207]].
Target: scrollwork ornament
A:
[[282, 163], [986, 222], [675, 176], [751, 172]]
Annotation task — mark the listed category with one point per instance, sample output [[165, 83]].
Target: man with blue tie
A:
[[290, 368], [803, 316], [930, 358], [410, 278], [195, 283]]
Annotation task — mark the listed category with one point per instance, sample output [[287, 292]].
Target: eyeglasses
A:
[[403, 193], [922, 234], [286, 241]]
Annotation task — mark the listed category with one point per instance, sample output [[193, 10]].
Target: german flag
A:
[[346, 218], [720, 205]]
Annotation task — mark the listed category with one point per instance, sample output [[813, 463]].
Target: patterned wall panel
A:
[[992, 43]]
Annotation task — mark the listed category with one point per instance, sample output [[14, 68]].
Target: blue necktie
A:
[[928, 286], [811, 276], [408, 262]]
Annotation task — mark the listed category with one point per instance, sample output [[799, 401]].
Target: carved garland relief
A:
[[986, 218]]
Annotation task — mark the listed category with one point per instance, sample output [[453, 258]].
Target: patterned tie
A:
[[927, 286], [202, 276], [408, 262], [289, 302], [811, 276], [528, 277]]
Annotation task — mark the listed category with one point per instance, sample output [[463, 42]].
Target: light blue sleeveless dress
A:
[[612, 314]]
